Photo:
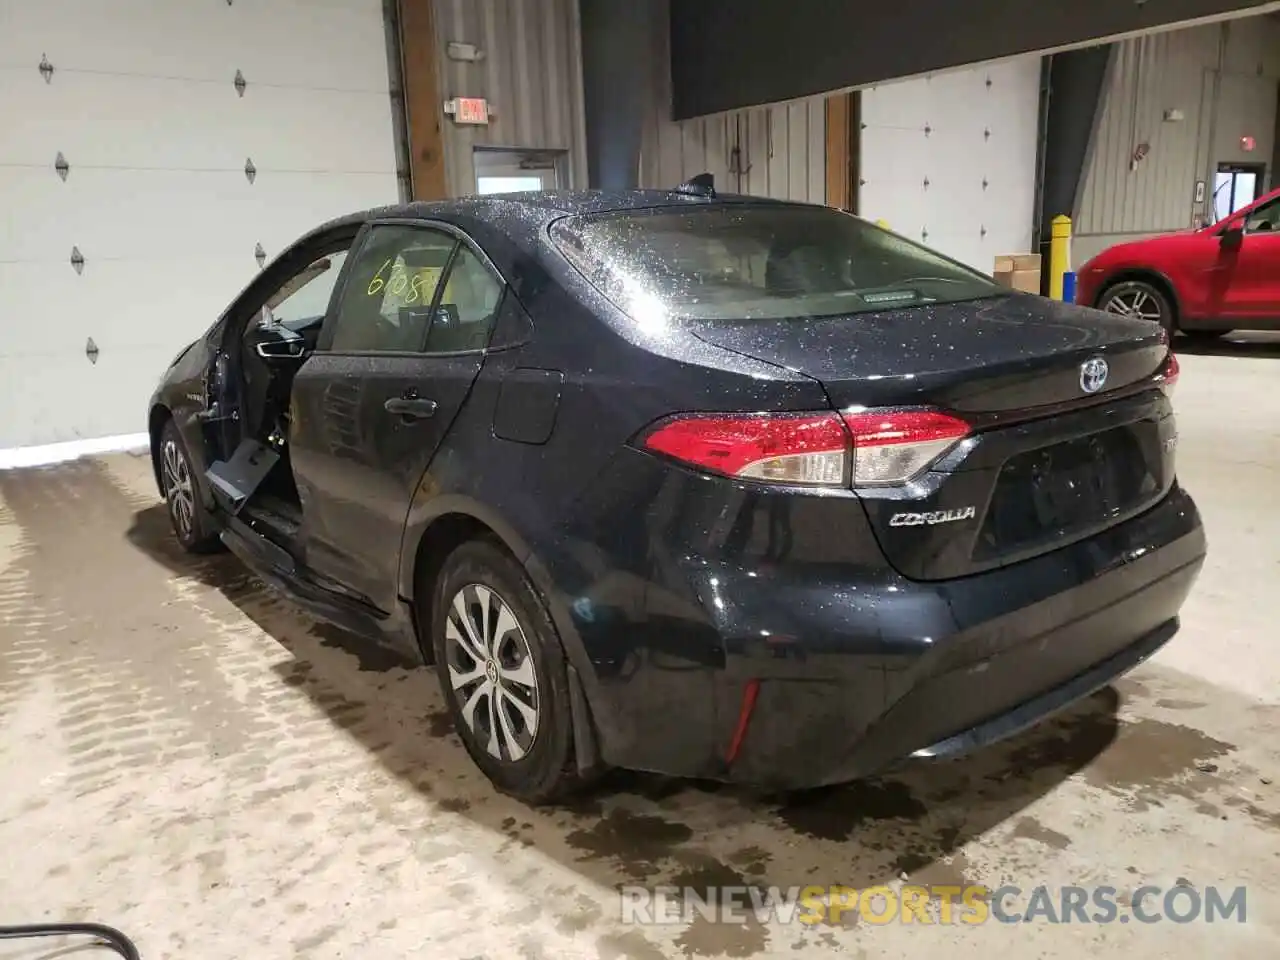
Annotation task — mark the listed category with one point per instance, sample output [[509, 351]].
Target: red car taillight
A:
[[1168, 375], [872, 447], [809, 449], [893, 446]]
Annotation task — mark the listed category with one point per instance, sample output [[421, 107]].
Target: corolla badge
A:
[[1093, 374], [933, 517]]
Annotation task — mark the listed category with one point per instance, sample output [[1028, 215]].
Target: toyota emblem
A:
[[1093, 374]]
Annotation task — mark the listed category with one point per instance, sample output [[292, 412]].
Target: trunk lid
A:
[[999, 355], [1048, 463]]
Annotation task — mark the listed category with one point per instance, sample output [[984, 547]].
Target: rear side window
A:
[[742, 262], [386, 301], [1264, 219], [416, 289]]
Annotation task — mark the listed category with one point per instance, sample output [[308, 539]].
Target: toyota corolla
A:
[[707, 485]]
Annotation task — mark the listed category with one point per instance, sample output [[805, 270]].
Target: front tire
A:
[[503, 674], [192, 523], [1138, 300]]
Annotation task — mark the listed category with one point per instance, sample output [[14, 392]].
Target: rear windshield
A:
[[746, 262]]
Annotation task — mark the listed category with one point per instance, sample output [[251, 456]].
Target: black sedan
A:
[[708, 485]]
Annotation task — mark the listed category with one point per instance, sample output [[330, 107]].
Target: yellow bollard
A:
[[1059, 254]]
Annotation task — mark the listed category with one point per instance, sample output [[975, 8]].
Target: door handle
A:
[[411, 408]]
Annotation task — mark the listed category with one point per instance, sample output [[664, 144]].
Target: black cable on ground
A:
[[107, 936]]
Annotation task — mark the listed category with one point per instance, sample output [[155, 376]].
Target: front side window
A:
[[303, 299], [1264, 218], [741, 263]]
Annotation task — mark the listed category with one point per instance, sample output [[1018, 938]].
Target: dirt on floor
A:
[[187, 757]]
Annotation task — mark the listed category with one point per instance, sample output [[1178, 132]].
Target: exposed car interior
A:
[[713, 264]]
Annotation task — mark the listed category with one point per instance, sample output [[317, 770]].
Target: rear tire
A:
[[503, 673], [192, 524], [1138, 300]]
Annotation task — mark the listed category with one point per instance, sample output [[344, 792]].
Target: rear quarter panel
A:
[[548, 500]]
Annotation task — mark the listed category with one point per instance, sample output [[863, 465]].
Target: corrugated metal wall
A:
[[531, 73], [1177, 70], [777, 151]]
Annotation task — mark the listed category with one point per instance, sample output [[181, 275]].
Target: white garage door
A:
[[951, 159], [140, 99]]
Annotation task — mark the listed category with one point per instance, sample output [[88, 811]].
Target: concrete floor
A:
[[187, 758]]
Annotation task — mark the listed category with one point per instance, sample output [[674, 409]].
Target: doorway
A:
[[514, 171], [1235, 186]]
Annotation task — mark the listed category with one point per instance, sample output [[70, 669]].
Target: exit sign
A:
[[1247, 144], [474, 110]]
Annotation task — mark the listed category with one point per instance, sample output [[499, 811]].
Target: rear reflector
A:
[[875, 447], [749, 695]]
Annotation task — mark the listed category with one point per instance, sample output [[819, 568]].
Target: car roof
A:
[[549, 205], [525, 217]]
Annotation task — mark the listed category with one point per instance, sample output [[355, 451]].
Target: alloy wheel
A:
[[178, 489], [491, 672], [1135, 303]]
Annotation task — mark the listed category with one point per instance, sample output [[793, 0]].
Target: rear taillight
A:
[[893, 446], [1167, 377], [810, 449], [865, 447]]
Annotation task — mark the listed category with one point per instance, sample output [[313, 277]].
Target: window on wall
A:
[[514, 171], [1234, 188], [516, 184]]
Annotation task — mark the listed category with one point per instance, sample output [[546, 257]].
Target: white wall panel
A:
[[338, 44], [950, 159], [178, 125], [143, 107]]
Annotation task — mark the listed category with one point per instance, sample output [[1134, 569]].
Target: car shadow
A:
[[1238, 343], [645, 829]]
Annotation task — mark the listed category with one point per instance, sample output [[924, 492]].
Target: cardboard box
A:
[[1018, 271]]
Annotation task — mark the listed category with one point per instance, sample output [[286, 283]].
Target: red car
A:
[[1202, 282]]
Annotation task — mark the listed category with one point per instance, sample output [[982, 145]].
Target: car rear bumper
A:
[[1114, 601], [848, 676]]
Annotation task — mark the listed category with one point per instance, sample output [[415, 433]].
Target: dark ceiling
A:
[[727, 54]]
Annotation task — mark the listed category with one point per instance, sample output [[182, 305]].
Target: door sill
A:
[[280, 569]]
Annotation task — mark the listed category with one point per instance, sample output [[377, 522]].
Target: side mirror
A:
[[1232, 236]]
